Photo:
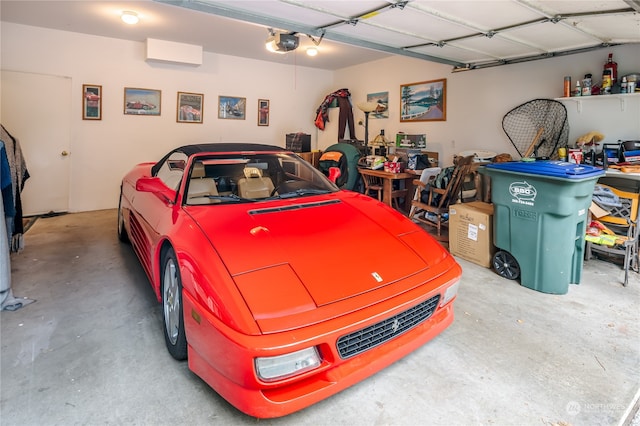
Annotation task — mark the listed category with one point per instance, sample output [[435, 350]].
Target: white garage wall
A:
[[103, 151], [477, 100]]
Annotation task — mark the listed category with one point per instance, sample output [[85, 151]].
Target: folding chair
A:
[[435, 210], [623, 222], [372, 185]]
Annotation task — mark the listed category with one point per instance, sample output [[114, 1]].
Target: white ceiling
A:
[[476, 33]]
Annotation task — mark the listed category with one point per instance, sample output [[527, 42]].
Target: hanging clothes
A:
[[6, 185], [343, 98], [19, 175], [5, 260], [345, 117], [5, 241], [8, 302]]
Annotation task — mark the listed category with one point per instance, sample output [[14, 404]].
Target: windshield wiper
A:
[[302, 192], [230, 197]]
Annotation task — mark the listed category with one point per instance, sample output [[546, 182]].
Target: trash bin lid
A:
[[553, 168]]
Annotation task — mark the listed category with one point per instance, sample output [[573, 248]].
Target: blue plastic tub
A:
[[558, 169]]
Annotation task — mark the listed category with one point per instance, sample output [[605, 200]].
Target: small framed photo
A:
[[91, 102], [424, 101], [263, 112], [382, 101], [142, 101], [189, 107], [230, 107]]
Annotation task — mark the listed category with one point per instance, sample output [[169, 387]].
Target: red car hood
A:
[[297, 256]]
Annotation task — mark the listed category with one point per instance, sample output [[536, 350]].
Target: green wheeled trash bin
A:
[[540, 219]]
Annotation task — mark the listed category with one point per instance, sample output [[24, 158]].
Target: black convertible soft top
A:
[[226, 147], [190, 150]]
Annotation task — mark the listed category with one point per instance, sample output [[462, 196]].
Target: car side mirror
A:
[[155, 186], [334, 174]]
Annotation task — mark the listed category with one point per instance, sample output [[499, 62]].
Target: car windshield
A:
[[250, 177]]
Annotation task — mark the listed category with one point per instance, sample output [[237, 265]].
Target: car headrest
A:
[[198, 171], [252, 172]]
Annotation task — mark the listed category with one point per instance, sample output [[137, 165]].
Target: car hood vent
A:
[[293, 207]]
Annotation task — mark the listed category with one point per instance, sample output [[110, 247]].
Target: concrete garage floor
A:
[[91, 349]]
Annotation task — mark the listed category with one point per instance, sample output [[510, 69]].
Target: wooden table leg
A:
[[408, 185], [386, 194]]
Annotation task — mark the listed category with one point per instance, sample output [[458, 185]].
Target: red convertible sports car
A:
[[280, 288]]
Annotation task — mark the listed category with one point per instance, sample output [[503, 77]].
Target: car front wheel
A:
[[122, 231], [173, 319]]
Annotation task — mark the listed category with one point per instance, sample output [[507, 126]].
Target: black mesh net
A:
[[537, 128]]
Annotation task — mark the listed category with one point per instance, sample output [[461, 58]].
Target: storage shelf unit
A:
[[615, 116], [623, 97]]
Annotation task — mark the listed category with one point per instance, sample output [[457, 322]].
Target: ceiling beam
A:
[[268, 21], [633, 4], [534, 57]]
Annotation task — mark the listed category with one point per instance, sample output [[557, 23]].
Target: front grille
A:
[[376, 334]]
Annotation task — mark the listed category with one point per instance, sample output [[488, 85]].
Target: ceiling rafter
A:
[[477, 31], [362, 18], [515, 47], [634, 4], [564, 18], [256, 18], [547, 17], [530, 58]]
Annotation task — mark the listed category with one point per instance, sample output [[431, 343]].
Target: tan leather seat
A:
[[200, 186]]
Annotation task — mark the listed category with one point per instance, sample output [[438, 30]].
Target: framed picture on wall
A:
[[382, 100], [424, 101], [142, 101], [263, 112], [189, 107], [91, 102], [231, 107]]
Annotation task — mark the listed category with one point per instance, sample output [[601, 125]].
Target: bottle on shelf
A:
[[623, 85], [562, 154], [578, 89], [586, 85], [567, 86], [613, 66], [607, 82]]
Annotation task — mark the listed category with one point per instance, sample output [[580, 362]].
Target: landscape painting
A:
[[424, 101]]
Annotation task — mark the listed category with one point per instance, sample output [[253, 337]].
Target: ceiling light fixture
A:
[[129, 17], [281, 42], [461, 68], [313, 51]]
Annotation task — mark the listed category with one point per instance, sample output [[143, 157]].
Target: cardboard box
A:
[[597, 211], [312, 157], [471, 232]]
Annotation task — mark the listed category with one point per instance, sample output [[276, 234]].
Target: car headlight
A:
[[282, 366], [450, 293]]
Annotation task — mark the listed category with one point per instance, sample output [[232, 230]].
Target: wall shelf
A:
[[623, 97]]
